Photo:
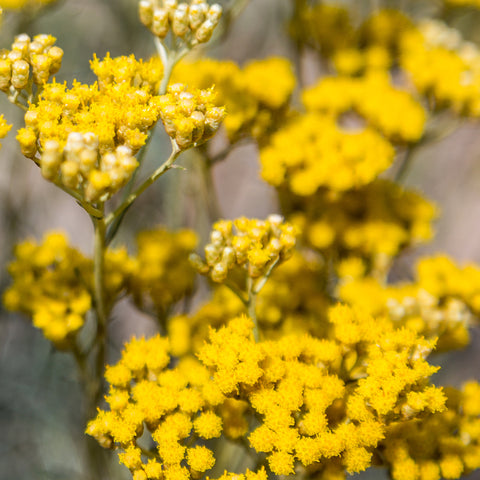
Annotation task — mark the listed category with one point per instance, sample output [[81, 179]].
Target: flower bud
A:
[[180, 20], [205, 31], [20, 72], [5, 73], [28, 142], [70, 171], [145, 12], [197, 15], [40, 68], [55, 54], [160, 25]]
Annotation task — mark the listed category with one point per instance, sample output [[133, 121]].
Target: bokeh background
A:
[[41, 414]]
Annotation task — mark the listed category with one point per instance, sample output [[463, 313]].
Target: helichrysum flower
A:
[[49, 286], [392, 111], [85, 137], [53, 284], [443, 66], [303, 154], [190, 116], [192, 22], [254, 245], [29, 60]]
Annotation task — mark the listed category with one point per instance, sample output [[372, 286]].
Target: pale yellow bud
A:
[[44, 39], [145, 12], [56, 55], [36, 48], [212, 254], [204, 32], [14, 56], [20, 74], [219, 273], [51, 160], [28, 142], [214, 13], [198, 264], [40, 68], [160, 24], [180, 20], [198, 119], [31, 119], [197, 15], [213, 119], [5, 73], [90, 140], [228, 257], [88, 161], [216, 238], [109, 161], [70, 171]]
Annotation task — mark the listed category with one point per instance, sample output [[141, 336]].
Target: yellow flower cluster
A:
[[53, 284], [29, 61], [393, 112], [445, 445], [443, 302], [137, 73], [374, 223], [303, 154], [255, 97], [176, 406], [297, 386], [194, 23], [86, 136], [163, 274], [190, 116], [50, 286], [443, 66], [256, 246]]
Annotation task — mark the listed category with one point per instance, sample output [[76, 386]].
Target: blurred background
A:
[[41, 419]]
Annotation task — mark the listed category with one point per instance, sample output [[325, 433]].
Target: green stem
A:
[[100, 298], [167, 165]]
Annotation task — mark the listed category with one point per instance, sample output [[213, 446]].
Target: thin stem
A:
[[169, 59], [100, 298], [167, 165]]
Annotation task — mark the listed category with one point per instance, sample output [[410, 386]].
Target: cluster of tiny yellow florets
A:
[[50, 286], [190, 116], [303, 154], [137, 73], [253, 245], [84, 138], [163, 273], [442, 302], [53, 284], [446, 445], [373, 224], [393, 112], [255, 96], [29, 61], [176, 406], [193, 22], [443, 66], [298, 387]]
